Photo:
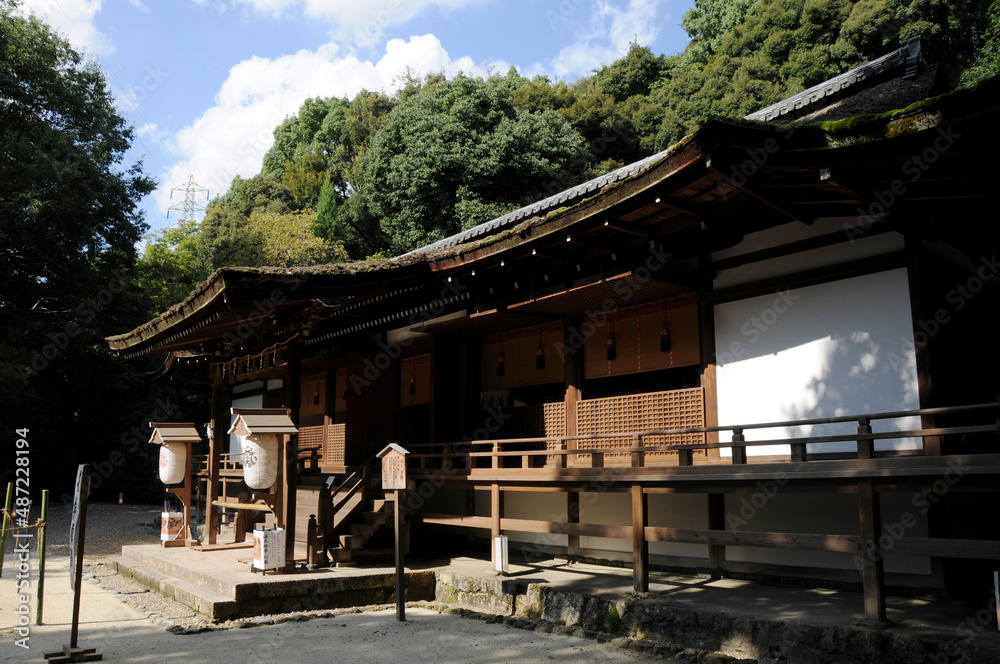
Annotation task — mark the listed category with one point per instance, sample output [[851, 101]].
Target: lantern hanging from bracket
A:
[[540, 353], [665, 340]]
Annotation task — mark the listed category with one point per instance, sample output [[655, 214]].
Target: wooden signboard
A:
[[394, 479], [394, 469]]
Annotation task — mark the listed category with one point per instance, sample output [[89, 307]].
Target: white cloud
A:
[[361, 23], [74, 20], [231, 137], [608, 36]]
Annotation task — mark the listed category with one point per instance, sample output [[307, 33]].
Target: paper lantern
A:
[[173, 461], [260, 460]]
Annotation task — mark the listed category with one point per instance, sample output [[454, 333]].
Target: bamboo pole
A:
[[6, 523], [41, 556]]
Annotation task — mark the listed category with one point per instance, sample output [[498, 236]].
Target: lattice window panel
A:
[[676, 409], [333, 454]]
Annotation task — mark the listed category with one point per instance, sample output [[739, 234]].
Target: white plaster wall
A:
[[539, 506], [839, 348], [610, 509], [676, 510]]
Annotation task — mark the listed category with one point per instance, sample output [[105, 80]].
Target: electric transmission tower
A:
[[189, 205]]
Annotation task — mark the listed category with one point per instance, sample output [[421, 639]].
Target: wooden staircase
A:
[[357, 513]]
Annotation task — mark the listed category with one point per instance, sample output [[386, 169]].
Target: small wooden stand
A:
[[394, 479], [78, 528]]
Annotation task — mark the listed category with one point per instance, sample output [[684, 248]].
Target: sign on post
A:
[[77, 535], [393, 468], [394, 479]]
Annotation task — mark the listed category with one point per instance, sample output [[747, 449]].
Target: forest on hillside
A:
[[350, 179], [382, 174]]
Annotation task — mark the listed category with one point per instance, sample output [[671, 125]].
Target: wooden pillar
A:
[[717, 521], [706, 335], [872, 572], [573, 516], [290, 449], [220, 425], [640, 547], [573, 366]]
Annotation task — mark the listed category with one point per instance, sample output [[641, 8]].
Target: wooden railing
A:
[[560, 451]]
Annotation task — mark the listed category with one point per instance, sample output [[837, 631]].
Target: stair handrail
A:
[[358, 479]]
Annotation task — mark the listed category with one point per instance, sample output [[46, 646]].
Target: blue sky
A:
[[204, 82]]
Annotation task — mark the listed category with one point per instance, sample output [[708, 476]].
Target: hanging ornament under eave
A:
[[540, 352], [501, 363], [612, 348]]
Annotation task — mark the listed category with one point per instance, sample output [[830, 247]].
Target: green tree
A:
[[460, 152], [288, 240], [171, 265], [69, 223]]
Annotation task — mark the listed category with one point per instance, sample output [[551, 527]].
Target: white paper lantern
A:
[[260, 460], [173, 460]]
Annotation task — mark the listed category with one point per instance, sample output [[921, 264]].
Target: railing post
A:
[[496, 450], [597, 460], [866, 446], [739, 451], [638, 456], [563, 458]]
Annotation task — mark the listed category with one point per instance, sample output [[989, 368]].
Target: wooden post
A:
[[400, 574], [40, 590], [709, 380], [640, 547], [220, 425], [289, 487], [573, 516], [717, 521], [866, 447], [872, 572], [6, 522], [739, 451]]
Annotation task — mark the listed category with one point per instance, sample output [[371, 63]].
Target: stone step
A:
[[161, 566], [212, 604], [374, 518]]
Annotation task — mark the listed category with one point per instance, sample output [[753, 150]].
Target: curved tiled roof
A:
[[543, 206]]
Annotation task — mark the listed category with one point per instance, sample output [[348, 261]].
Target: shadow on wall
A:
[[841, 348]]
